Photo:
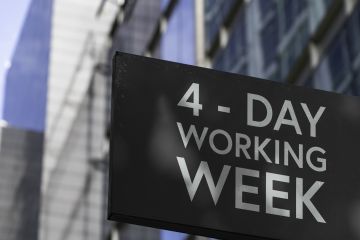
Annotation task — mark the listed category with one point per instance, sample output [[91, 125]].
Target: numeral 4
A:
[[195, 105]]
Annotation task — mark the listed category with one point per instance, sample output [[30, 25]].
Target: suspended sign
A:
[[230, 156]]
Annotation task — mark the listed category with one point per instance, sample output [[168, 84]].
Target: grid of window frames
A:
[[233, 57], [215, 14], [284, 33], [341, 63]]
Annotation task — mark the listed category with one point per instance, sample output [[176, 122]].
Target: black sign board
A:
[[231, 156]]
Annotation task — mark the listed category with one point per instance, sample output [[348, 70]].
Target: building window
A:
[[219, 61], [291, 10], [215, 13], [164, 4], [233, 56], [267, 6], [270, 40], [295, 47], [339, 62], [353, 34], [178, 42]]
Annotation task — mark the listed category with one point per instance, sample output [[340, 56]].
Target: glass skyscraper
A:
[[23, 122], [310, 43], [26, 80]]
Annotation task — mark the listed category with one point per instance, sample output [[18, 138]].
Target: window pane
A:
[[270, 39]]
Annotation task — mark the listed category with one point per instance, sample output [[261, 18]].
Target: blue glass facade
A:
[[24, 109], [284, 34], [340, 65], [13, 14], [280, 31], [164, 4], [233, 57], [215, 13], [178, 41], [168, 235], [270, 38], [26, 81]]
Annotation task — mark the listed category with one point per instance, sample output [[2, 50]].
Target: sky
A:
[[12, 15]]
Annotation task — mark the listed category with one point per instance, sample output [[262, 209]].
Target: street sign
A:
[[231, 156]]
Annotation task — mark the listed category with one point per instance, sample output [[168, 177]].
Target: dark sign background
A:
[[146, 185]]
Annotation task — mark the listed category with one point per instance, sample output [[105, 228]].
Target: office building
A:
[[55, 102], [73, 199], [302, 42], [311, 43], [23, 107]]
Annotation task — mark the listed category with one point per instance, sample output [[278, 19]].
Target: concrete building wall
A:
[[20, 180], [74, 173], [74, 206]]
